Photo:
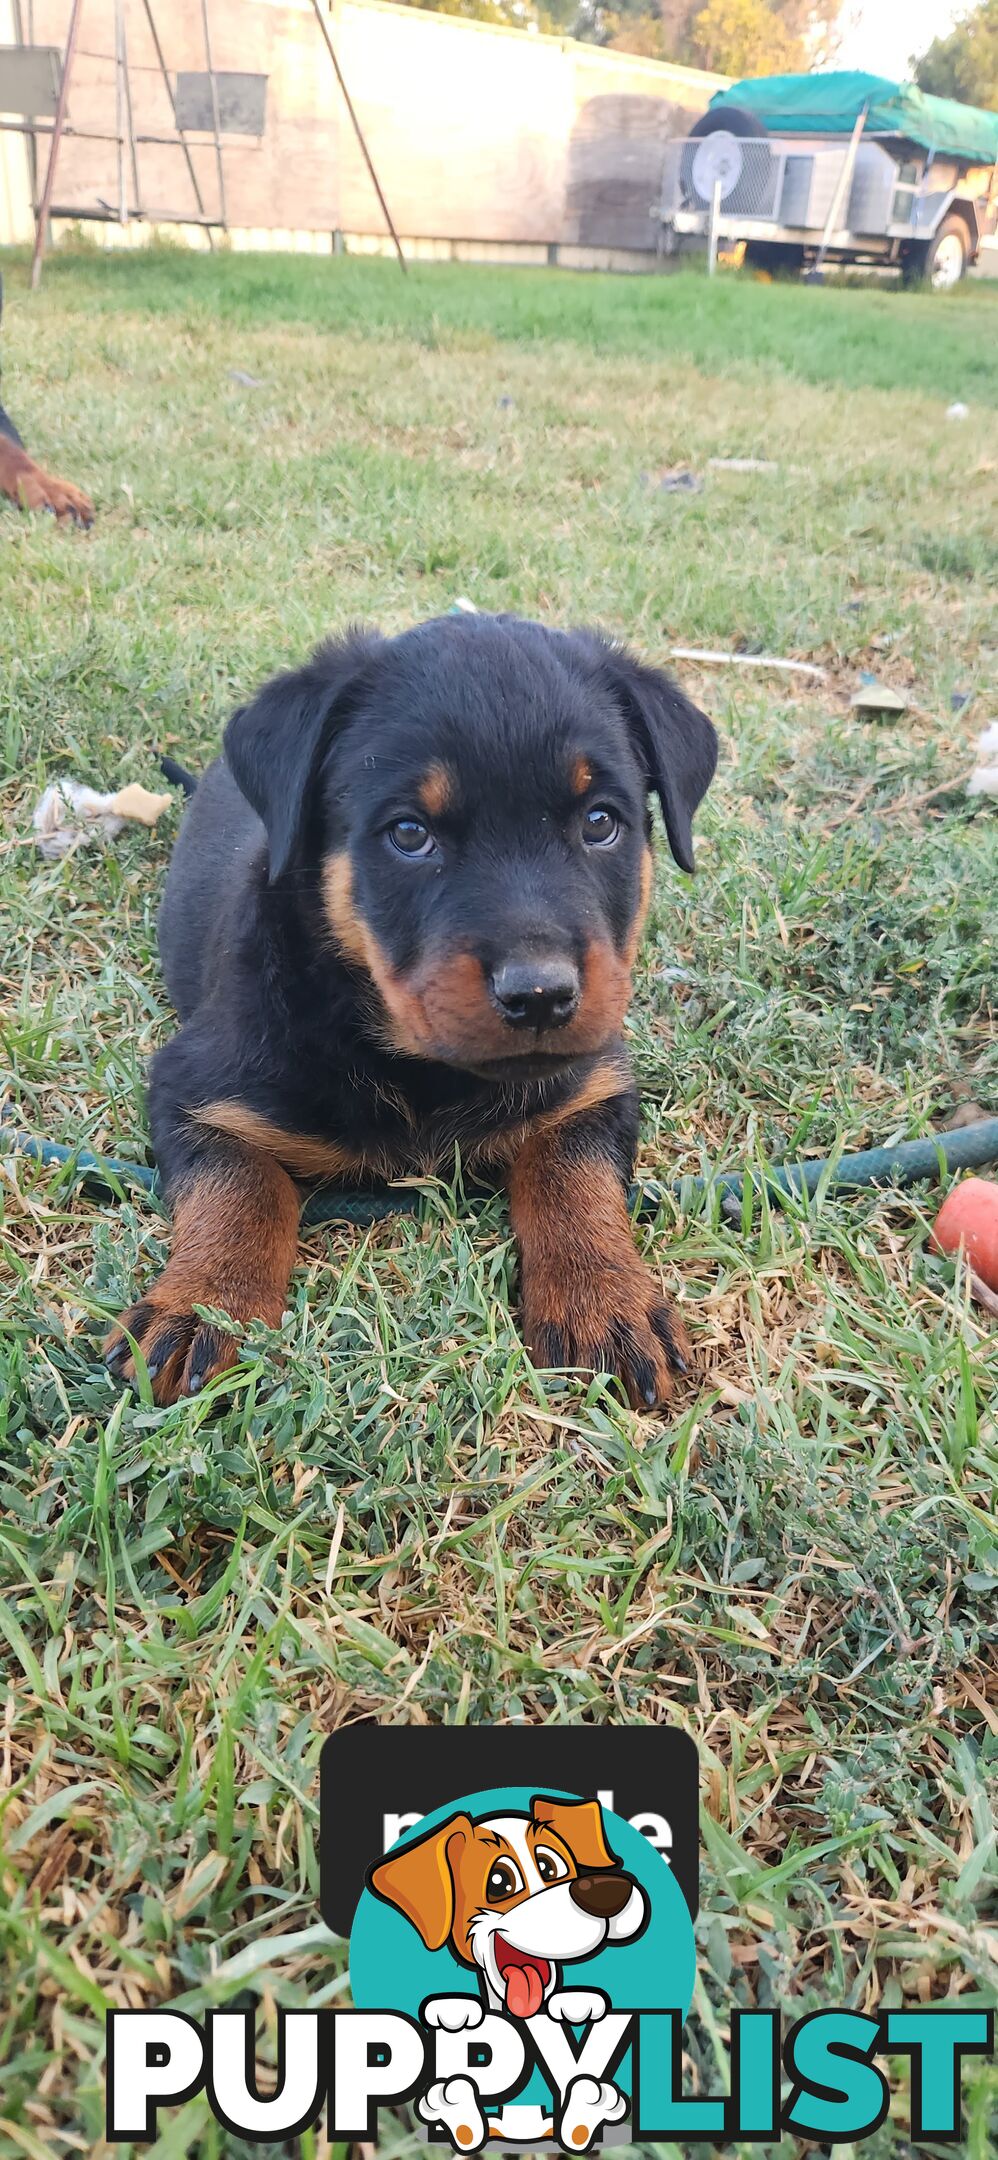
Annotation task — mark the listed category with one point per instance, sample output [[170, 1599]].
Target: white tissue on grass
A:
[[984, 780], [70, 815], [957, 411]]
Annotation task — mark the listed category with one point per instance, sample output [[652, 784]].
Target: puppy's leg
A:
[[454, 2102], [30, 488], [589, 2104], [235, 1235], [588, 1299]]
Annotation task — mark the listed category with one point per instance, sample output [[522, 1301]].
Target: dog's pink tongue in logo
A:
[[525, 1978]]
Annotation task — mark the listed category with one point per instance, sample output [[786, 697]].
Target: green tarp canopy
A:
[[831, 104]]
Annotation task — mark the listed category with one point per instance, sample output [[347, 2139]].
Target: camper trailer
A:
[[838, 168]]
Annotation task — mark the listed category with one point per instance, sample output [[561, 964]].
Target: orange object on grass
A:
[[969, 1217]]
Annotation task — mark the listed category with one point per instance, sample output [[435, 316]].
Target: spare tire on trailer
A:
[[732, 118]]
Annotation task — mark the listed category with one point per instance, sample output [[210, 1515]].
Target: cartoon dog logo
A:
[[517, 1898]]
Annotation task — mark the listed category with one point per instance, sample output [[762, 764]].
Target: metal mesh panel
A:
[[755, 191]]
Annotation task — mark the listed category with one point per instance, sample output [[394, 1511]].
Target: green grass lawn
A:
[[390, 1515]]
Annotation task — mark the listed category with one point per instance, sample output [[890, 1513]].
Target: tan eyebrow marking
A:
[[581, 775], [436, 791]]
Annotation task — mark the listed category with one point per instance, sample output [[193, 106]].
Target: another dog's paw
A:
[[589, 2103], [453, 2013], [38, 490], [454, 2103], [577, 2006], [610, 1320]]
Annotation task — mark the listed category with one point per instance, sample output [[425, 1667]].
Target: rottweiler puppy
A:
[[402, 915]]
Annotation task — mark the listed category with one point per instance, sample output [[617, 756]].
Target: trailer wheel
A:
[[734, 119], [942, 261]]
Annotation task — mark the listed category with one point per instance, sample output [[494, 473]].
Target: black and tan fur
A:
[[401, 916]]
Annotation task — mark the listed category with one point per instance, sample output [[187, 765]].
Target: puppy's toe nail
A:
[[164, 1349], [205, 1354], [671, 1333]]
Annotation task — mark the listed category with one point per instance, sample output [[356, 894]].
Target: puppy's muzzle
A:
[[602, 1896], [536, 993]]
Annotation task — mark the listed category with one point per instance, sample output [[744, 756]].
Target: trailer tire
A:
[[733, 119], [942, 261]]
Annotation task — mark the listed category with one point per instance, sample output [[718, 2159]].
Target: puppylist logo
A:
[[521, 1966]]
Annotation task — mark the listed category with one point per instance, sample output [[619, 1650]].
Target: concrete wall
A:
[[484, 139]]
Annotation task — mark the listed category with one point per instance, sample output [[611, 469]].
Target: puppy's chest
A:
[[374, 1129]]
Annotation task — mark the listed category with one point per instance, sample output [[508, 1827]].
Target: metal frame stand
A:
[[58, 126], [124, 137], [126, 140]]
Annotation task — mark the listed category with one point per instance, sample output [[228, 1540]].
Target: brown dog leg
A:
[[588, 1299], [30, 488], [234, 1243]]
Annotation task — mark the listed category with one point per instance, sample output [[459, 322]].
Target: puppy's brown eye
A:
[[599, 826], [411, 838], [503, 1881], [551, 1867]]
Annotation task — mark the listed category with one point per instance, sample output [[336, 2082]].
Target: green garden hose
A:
[[908, 1162]]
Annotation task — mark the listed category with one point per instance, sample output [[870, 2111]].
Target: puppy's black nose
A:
[[601, 1896], [536, 993]]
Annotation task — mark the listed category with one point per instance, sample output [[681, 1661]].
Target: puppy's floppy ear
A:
[[579, 1824], [419, 1881], [676, 742], [274, 746]]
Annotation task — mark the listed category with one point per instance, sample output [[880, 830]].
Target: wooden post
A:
[[42, 214], [168, 86], [119, 108], [359, 132], [130, 117], [214, 115]]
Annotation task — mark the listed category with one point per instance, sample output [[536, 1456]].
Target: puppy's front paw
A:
[[453, 2013], [39, 490], [577, 2006], [181, 1352], [608, 1318]]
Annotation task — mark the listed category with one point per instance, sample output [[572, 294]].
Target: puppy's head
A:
[[517, 1896], [472, 797]]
